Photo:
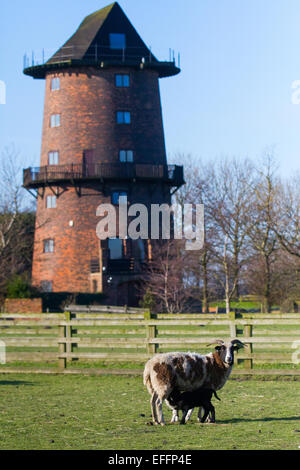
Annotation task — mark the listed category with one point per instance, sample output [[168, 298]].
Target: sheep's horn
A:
[[216, 341], [237, 342]]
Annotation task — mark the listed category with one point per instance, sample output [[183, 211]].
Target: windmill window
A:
[[48, 246], [51, 202], [126, 156], [55, 120], [123, 117], [117, 41], [46, 286], [115, 197], [53, 158], [115, 247], [122, 80], [55, 83], [95, 266]]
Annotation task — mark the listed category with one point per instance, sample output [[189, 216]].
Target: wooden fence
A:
[[72, 341]]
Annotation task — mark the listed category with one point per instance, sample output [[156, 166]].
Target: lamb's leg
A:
[[184, 413], [153, 408], [175, 416], [200, 413], [206, 413], [174, 412], [189, 414], [212, 413]]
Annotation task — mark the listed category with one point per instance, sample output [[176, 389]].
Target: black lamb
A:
[[198, 398]]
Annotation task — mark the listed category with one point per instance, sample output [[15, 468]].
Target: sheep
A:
[[188, 400], [187, 371]]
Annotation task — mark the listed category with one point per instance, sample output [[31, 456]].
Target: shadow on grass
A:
[[250, 420], [15, 382]]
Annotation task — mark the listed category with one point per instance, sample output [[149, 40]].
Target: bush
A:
[[57, 301], [148, 301], [20, 288]]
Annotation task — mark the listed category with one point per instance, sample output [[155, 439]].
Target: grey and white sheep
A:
[[187, 371]]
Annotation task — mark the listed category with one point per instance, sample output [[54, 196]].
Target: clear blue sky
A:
[[233, 97]]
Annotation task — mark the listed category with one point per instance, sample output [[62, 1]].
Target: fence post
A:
[[62, 361], [151, 332], [232, 325], [248, 346], [69, 346]]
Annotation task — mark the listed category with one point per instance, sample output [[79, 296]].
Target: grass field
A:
[[113, 413], [248, 305]]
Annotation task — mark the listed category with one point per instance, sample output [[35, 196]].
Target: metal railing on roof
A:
[[95, 53]]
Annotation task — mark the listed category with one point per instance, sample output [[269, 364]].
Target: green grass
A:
[[111, 412], [246, 305]]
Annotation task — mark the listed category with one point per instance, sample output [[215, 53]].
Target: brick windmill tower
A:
[[102, 138]]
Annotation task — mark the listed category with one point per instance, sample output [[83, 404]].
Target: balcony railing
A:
[[117, 266], [36, 65], [126, 266], [96, 52], [51, 174]]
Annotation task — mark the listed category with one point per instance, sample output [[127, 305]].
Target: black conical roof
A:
[[91, 45], [92, 36]]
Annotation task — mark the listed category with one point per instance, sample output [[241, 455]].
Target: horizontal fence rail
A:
[[100, 335]]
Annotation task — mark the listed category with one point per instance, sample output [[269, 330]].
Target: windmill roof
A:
[[91, 45], [95, 29]]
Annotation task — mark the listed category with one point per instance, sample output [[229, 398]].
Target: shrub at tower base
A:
[[58, 301]]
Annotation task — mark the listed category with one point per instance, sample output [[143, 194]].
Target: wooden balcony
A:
[[34, 178], [117, 266]]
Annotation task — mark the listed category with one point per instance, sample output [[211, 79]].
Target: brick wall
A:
[[23, 306], [68, 267], [88, 101]]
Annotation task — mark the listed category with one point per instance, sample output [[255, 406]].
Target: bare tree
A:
[[10, 195], [168, 277], [16, 221], [286, 224], [228, 199], [284, 280], [251, 237], [262, 218], [195, 191]]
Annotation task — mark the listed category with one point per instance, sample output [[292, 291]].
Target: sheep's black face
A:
[[226, 353]]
